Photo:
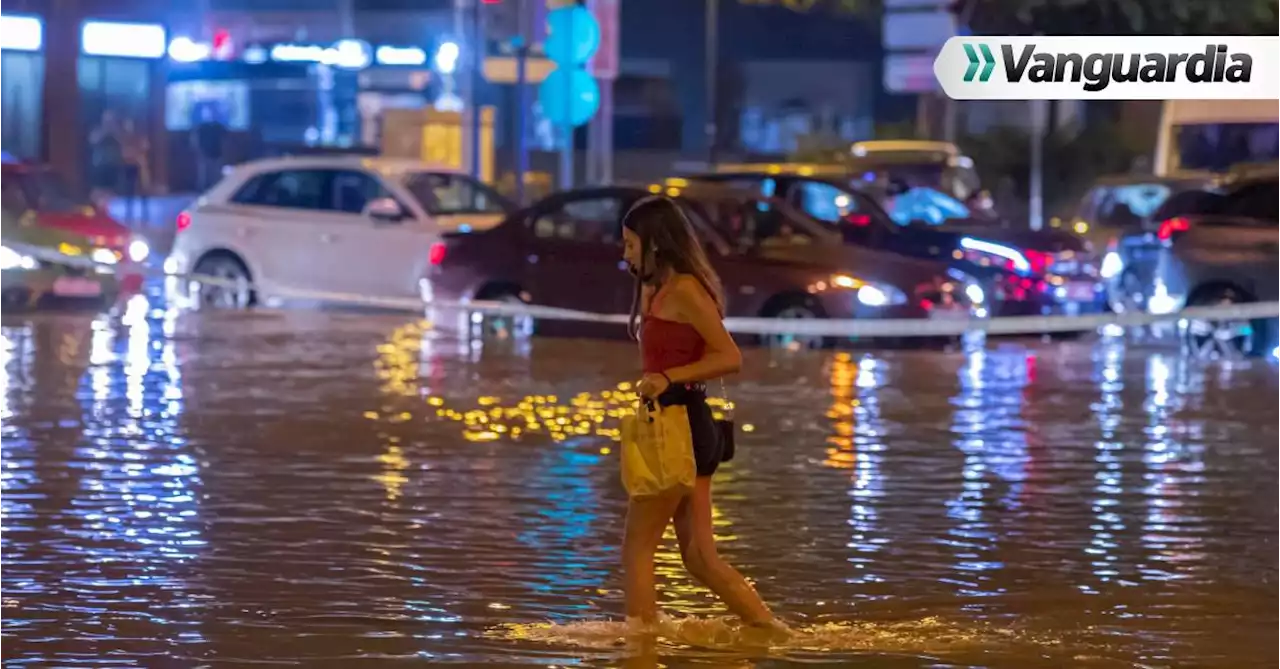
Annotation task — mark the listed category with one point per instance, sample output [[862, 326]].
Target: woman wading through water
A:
[[680, 310]]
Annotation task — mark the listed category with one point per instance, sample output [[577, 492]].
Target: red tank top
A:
[[666, 344]]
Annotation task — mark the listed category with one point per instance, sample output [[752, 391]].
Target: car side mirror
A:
[[385, 210]]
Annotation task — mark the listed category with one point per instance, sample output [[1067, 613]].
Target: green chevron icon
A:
[[988, 62]]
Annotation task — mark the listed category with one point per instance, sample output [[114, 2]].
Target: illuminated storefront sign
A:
[[124, 40], [401, 55], [349, 54], [21, 33]]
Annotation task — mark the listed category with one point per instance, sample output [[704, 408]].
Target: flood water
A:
[[348, 490]]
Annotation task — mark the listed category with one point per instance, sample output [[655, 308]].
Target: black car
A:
[[1023, 272]]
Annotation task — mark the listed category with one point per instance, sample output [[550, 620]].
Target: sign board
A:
[[604, 65], [894, 5], [917, 30], [909, 73], [437, 138]]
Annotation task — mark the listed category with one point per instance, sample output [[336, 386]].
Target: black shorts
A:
[[708, 443]]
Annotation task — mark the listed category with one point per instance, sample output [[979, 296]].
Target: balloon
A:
[[569, 97], [573, 36]]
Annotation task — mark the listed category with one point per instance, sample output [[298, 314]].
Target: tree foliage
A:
[[1120, 17]]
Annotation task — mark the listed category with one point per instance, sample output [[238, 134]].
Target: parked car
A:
[[1022, 272], [774, 261], [39, 196], [335, 224], [1219, 246], [31, 279]]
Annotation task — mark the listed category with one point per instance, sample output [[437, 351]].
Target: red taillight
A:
[[1038, 260], [859, 220], [436, 254], [184, 221], [1176, 224]]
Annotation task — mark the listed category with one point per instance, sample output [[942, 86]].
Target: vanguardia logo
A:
[[1098, 70], [1128, 68], [988, 62]]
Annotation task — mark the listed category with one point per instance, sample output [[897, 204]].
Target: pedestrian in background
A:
[[207, 137], [106, 159], [135, 171]]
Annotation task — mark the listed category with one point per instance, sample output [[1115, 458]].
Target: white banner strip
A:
[[843, 328], [1141, 67]]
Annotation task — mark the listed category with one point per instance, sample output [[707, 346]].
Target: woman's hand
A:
[[652, 385]]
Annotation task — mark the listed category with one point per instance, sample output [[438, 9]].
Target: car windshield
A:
[[443, 194], [1124, 204]]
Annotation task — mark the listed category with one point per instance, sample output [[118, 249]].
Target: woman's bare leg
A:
[[646, 521], [698, 548]]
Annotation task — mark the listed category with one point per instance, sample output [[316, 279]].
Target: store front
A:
[[21, 80], [119, 67]]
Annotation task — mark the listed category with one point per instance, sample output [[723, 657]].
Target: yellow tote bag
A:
[[657, 451]]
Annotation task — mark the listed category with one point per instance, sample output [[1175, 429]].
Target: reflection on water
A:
[[350, 489]]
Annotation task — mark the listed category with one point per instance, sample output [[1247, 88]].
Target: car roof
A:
[[388, 166], [906, 145]]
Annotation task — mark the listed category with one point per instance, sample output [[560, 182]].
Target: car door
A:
[[576, 253], [269, 218], [1240, 244], [380, 257]]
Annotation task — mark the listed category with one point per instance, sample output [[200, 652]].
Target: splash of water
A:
[[930, 635]]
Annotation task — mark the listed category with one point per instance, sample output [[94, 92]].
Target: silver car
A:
[[1224, 253]]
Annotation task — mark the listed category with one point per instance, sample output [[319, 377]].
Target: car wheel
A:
[[500, 326], [795, 309], [230, 287], [1221, 339]]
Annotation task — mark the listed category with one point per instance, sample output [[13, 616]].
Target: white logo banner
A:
[[1110, 68]]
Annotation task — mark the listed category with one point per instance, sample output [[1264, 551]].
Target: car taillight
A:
[[859, 220], [436, 254], [184, 221], [1169, 227], [1038, 260]]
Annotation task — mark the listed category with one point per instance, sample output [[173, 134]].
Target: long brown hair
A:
[[667, 240]]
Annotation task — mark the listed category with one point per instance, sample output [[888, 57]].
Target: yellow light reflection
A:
[[491, 418], [856, 444]]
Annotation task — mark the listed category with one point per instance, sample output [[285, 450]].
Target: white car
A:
[[303, 227]]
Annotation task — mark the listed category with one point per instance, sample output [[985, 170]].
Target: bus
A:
[[1213, 136]]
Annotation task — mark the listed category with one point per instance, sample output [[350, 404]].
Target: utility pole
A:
[[62, 145], [712, 49], [477, 67], [522, 96]]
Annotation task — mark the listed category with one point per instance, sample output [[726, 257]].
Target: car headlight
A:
[[139, 250], [104, 257], [870, 294], [10, 259], [975, 293], [1112, 265]]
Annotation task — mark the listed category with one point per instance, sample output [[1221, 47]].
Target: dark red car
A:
[[565, 251], [38, 191]]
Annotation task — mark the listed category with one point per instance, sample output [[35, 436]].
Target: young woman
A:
[[683, 342]]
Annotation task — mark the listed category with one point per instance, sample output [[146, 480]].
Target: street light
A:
[[446, 59]]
